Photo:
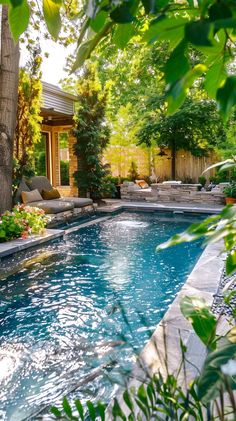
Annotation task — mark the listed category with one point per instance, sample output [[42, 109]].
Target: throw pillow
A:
[[30, 196], [50, 194], [142, 184]]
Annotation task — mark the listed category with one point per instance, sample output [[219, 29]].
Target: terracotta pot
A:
[[230, 200]]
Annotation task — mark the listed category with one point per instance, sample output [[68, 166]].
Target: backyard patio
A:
[[117, 211]]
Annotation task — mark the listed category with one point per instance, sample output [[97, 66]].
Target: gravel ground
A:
[[219, 306]]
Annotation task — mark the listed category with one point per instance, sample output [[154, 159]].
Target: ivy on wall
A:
[[28, 128], [92, 134]]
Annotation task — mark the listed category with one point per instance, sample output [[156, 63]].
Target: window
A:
[[64, 158], [42, 156]]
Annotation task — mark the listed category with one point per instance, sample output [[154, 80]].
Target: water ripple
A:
[[62, 320]]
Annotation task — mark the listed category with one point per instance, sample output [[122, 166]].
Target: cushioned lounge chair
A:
[[49, 206], [42, 183]]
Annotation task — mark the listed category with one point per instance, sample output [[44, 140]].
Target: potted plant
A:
[[230, 193]]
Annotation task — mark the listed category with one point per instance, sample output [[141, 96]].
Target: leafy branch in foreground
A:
[[213, 229], [157, 396], [206, 26]]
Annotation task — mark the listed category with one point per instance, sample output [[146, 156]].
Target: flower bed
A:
[[21, 222]]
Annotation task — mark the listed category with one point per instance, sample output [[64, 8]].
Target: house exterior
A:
[[57, 142], [57, 146]]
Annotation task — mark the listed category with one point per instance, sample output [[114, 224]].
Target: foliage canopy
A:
[[207, 26]]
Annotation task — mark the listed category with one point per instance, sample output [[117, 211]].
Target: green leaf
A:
[[67, 408], [228, 166], [83, 54], [177, 91], [231, 262], [171, 29], [198, 32], [102, 410], [220, 164], [211, 380], [225, 23], [80, 409], [55, 411], [177, 65], [117, 411], [18, 19], [88, 46], [98, 22], [14, 3], [219, 11], [153, 6], [91, 409], [128, 400], [122, 14], [203, 321], [123, 34], [215, 77], [142, 396], [51, 11], [226, 97]]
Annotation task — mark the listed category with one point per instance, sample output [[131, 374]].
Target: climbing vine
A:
[[92, 134], [28, 128]]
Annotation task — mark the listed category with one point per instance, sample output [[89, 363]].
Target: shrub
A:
[[64, 168], [202, 180], [230, 191], [22, 222], [108, 188]]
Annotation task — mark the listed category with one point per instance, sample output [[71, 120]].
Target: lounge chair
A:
[[42, 183], [54, 206]]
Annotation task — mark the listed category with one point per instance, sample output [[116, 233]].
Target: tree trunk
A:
[[173, 160], [9, 69]]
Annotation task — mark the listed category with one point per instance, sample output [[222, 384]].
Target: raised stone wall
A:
[[180, 193]]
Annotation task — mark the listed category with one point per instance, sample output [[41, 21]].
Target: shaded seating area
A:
[[39, 192]]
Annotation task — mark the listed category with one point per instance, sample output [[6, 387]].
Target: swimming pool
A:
[[73, 321]]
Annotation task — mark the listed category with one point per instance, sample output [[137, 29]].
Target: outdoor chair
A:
[[42, 183], [52, 206]]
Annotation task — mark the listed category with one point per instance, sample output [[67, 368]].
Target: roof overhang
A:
[[58, 106]]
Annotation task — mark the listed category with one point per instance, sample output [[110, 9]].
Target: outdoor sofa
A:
[[52, 206]]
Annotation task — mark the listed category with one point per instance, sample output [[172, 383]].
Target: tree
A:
[[206, 26], [123, 134], [195, 127], [8, 106], [92, 134]]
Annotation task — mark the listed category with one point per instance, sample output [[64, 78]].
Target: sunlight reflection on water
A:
[[62, 317]]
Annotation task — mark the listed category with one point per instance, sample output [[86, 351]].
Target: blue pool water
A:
[[73, 321]]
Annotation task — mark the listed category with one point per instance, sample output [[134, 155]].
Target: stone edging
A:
[[163, 352], [11, 247]]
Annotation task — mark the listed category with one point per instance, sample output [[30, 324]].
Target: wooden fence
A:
[[149, 162]]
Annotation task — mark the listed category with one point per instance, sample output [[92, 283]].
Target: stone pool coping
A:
[[163, 352], [113, 205], [15, 246]]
